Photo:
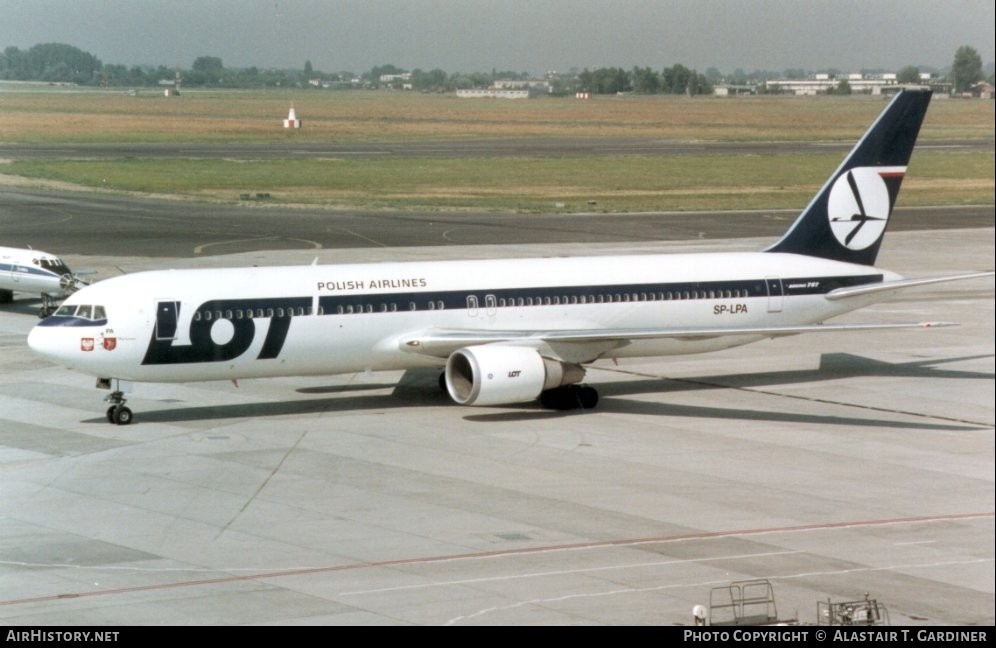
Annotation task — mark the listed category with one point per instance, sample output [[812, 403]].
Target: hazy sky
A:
[[517, 35]]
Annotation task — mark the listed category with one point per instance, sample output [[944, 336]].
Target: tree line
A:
[[61, 63], [676, 79]]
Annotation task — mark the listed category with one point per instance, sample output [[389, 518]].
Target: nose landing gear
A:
[[48, 306], [118, 413]]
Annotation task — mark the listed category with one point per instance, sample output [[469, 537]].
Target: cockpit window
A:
[[54, 265], [82, 311]]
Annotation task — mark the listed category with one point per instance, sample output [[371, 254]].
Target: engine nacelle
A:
[[497, 374]]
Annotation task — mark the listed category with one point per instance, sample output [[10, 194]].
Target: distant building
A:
[[734, 90], [826, 83], [492, 93], [821, 83], [404, 80], [982, 90], [507, 90]]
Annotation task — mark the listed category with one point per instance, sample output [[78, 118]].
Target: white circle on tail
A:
[[858, 207]]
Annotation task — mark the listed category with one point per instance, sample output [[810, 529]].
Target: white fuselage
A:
[[189, 325]]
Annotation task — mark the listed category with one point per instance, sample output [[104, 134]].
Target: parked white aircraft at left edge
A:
[[504, 331], [38, 273]]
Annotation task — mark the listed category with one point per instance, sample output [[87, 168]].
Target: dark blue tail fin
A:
[[846, 220]]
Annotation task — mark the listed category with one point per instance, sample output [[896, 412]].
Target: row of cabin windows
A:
[[350, 309], [490, 301], [610, 298], [251, 313]]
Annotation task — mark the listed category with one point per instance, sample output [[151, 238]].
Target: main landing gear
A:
[[117, 413], [569, 397]]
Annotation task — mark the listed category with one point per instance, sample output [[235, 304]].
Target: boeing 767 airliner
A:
[[503, 331]]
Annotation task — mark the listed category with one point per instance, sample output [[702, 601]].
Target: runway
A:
[[834, 465], [95, 224], [518, 147]]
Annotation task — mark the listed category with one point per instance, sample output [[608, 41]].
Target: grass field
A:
[[618, 183], [203, 116]]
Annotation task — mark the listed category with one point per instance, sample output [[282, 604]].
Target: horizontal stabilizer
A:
[[885, 286]]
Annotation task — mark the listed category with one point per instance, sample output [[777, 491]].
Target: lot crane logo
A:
[[859, 205]]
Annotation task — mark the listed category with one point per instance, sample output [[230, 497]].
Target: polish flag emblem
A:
[[86, 344]]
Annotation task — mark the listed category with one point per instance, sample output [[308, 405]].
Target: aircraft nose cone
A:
[[41, 343], [34, 340]]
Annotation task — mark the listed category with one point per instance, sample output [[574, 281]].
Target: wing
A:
[[586, 345], [589, 344]]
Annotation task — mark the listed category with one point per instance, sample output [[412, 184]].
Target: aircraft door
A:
[[775, 293], [167, 312]]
